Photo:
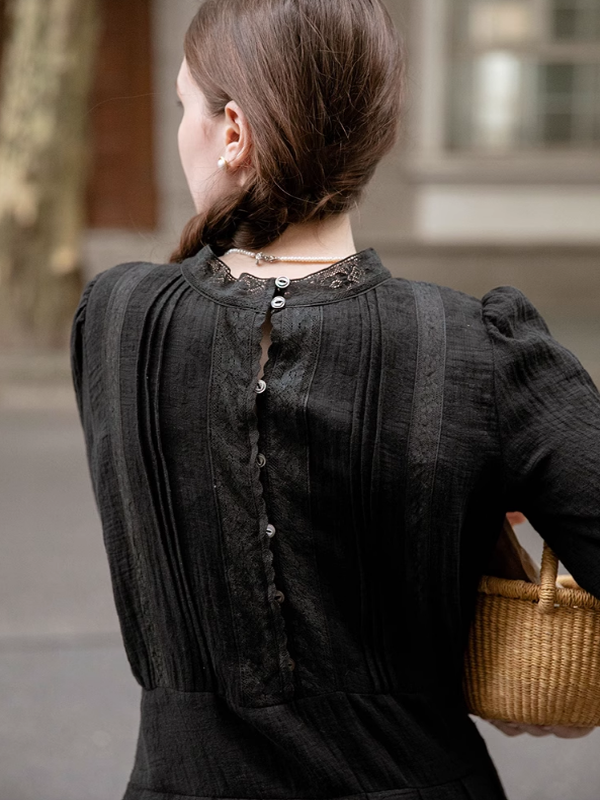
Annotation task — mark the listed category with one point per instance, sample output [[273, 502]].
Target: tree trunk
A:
[[47, 72]]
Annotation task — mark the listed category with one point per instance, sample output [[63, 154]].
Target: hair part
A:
[[321, 84]]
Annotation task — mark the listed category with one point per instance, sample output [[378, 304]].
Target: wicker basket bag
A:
[[533, 654]]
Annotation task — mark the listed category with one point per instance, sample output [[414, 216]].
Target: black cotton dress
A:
[[295, 562]]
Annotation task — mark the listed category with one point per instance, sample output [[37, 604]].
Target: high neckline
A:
[[354, 274]]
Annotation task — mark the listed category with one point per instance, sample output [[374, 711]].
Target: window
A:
[[525, 75]]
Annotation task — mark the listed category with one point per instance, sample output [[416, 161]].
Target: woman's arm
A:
[[549, 425], [549, 422]]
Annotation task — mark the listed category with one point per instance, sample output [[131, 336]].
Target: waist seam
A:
[[379, 795], [340, 692]]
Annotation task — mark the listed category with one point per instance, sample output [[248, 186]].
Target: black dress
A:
[[295, 562]]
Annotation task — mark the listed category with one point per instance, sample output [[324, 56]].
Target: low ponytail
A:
[[320, 82]]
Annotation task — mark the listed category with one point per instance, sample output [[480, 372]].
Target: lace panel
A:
[[348, 277]]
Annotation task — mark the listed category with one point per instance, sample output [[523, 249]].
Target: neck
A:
[[331, 238]]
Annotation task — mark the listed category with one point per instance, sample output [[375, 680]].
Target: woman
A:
[[301, 472]]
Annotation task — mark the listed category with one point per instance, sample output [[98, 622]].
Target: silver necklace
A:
[[269, 258]]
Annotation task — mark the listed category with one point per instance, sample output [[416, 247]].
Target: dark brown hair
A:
[[320, 82]]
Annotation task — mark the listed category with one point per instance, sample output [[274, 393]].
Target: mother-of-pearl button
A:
[[270, 530], [260, 386], [278, 302], [282, 282]]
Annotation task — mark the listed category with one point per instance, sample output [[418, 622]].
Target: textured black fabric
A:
[[400, 421]]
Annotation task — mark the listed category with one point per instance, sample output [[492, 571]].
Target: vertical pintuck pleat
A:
[[195, 670], [121, 359], [363, 458], [377, 524], [135, 363]]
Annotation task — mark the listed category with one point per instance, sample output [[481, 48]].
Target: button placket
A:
[[276, 595]]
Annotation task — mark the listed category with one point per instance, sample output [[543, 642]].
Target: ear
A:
[[238, 140]]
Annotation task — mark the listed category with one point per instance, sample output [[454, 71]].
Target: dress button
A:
[[279, 596], [261, 460], [291, 664], [282, 282], [260, 386], [278, 302], [270, 530]]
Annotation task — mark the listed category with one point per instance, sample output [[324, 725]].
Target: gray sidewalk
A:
[[68, 702]]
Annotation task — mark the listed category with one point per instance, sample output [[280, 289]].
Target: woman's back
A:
[[295, 554], [295, 561]]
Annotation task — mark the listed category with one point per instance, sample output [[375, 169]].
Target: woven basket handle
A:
[[548, 575]]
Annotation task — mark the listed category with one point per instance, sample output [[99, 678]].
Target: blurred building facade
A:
[[496, 178], [499, 170]]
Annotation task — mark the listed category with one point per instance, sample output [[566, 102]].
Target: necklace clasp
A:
[[265, 257]]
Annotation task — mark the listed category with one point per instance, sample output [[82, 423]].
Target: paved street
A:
[[68, 702]]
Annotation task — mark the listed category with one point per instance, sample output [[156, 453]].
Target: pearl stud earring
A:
[[223, 164]]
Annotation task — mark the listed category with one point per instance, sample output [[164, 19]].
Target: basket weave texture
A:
[[533, 654]]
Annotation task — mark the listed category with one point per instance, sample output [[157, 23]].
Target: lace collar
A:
[[351, 276]]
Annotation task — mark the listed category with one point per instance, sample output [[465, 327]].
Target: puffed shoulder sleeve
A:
[[548, 411], [78, 357]]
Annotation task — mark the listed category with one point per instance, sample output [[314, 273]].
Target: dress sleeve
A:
[[78, 360], [549, 425]]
